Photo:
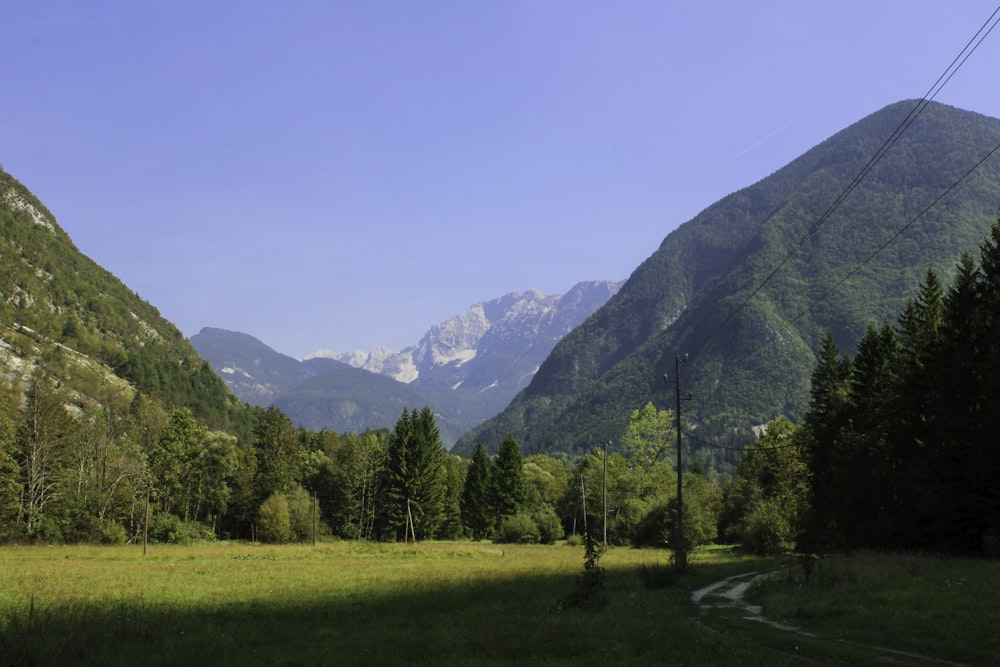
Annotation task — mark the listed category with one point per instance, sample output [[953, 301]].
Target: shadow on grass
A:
[[491, 621]]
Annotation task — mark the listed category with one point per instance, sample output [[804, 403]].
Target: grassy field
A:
[[383, 604]]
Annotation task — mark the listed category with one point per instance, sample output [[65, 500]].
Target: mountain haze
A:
[[466, 368], [748, 286]]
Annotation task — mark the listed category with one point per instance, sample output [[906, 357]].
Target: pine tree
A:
[[868, 463], [918, 399], [824, 425], [415, 482], [476, 515], [508, 484]]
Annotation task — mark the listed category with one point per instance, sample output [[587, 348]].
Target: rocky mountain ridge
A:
[[528, 316], [466, 368]]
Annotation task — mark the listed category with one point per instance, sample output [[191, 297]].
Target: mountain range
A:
[[838, 238], [835, 240], [466, 368]]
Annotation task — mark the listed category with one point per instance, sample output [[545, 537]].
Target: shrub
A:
[[550, 528], [300, 514], [766, 530], [518, 529], [274, 523], [167, 528], [114, 533]]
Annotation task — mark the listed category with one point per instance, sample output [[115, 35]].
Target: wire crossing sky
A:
[[342, 175]]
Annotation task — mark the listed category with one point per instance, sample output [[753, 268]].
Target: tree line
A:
[[898, 448], [896, 451], [128, 468]]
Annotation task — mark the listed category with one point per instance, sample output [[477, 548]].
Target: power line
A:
[[904, 125], [715, 445], [896, 235]]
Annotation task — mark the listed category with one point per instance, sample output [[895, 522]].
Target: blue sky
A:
[[346, 174]]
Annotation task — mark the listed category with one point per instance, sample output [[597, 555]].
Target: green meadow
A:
[[459, 603]]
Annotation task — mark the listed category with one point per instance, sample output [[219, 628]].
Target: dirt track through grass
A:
[[724, 602]]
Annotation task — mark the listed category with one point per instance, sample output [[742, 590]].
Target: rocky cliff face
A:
[[466, 368], [496, 343]]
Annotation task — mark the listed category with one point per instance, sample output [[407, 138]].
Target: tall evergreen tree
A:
[[918, 398], [508, 485], [476, 515], [415, 482], [867, 473], [824, 425]]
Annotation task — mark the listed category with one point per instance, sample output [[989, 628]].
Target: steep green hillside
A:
[[60, 310], [751, 354]]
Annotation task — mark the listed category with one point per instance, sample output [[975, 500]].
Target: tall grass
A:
[[468, 604], [920, 603], [343, 604]]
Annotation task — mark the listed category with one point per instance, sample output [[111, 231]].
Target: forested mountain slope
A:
[[751, 351], [64, 314]]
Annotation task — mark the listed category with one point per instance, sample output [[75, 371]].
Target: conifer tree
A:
[[508, 484], [415, 481], [866, 474], [824, 423], [476, 515]]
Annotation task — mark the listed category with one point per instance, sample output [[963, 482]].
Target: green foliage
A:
[[114, 533], [303, 517], [907, 457], [274, 522], [10, 472], [765, 506], [414, 477], [648, 436], [508, 488], [279, 453], [549, 525], [518, 528], [590, 592], [476, 514], [167, 528]]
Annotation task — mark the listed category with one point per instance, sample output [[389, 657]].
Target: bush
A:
[[518, 529], [274, 523], [766, 530], [167, 528], [550, 528], [114, 533]]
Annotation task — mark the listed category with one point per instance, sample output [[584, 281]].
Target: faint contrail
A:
[[772, 134]]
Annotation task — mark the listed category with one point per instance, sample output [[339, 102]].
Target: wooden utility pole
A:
[[409, 524], [679, 550], [583, 496], [315, 517], [145, 529], [605, 484]]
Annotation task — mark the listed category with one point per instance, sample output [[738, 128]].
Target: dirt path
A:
[[729, 594]]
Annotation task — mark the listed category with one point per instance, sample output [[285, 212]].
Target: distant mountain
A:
[[66, 317], [466, 368], [495, 345], [748, 287]]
